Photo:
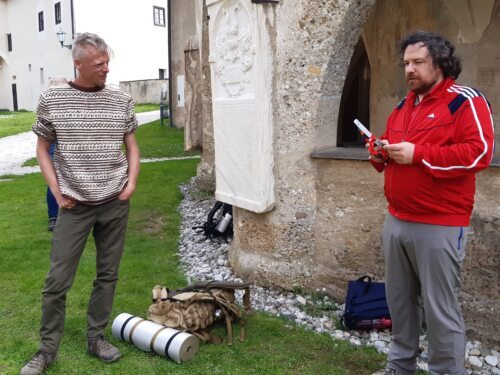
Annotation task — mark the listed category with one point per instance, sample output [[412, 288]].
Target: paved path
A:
[[16, 149]]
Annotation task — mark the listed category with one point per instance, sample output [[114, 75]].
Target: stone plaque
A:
[[240, 57]]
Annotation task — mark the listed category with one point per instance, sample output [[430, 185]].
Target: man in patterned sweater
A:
[[92, 181]]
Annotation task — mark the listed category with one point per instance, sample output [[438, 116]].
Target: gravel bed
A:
[[205, 259]]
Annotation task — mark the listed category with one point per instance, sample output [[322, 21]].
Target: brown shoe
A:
[[102, 349], [38, 363]]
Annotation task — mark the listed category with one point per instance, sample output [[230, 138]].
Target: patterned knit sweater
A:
[[88, 126]]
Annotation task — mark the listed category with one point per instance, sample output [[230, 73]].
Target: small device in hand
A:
[[372, 141]]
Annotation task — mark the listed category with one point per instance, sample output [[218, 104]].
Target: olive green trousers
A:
[[108, 224]]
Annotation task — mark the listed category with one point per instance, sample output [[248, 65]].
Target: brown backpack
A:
[[198, 306]]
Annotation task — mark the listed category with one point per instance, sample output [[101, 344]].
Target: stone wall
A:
[[205, 173], [325, 227], [184, 25], [480, 286], [147, 91], [313, 49]]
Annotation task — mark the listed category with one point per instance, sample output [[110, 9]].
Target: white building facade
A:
[[31, 54], [136, 31]]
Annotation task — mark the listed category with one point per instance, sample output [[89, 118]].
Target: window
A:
[[57, 12], [162, 73], [9, 42], [42, 77], [159, 16], [40, 21], [355, 100]]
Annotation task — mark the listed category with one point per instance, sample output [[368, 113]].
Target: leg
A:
[[441, 250], [403, 291], [52, 206], [68, 243], [109, 234]]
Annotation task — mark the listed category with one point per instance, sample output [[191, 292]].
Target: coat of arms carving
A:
[[234, 48]]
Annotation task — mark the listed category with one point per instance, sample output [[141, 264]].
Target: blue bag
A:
[[365, 301]]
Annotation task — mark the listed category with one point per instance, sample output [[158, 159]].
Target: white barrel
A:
[[148, 336]]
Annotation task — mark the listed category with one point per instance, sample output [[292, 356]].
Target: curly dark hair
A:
[[440, 49]]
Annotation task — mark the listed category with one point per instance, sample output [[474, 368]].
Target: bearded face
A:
[[421, 74]]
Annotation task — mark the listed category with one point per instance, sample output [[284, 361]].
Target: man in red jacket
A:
[[436, 140]]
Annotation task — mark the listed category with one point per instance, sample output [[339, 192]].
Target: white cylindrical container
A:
[[222, 225], [148, 336]]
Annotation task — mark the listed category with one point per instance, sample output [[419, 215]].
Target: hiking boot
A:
[[52, 224], [102, 349], [38, 363]]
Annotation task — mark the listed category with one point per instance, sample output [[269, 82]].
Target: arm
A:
[[48, 172], [471, 152], [133, 158]]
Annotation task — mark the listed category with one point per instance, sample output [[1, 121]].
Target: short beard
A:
[[423, 88]]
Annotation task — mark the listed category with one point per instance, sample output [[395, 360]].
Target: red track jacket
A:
[[452, 130]]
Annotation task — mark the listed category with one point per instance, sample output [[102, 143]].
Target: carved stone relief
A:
[[192, 125], [241, 70], [234, 48]]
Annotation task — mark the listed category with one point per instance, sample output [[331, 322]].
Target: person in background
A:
[[436, 140], [92, 180], [52, 207]]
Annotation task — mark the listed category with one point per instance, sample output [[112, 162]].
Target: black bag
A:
[[219, 221], [366, 305]]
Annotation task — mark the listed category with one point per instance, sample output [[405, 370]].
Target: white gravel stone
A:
[[474, 352], [423, 366], [491, 360], [379, 344], [301, 300], [475, 361], [204, 259]]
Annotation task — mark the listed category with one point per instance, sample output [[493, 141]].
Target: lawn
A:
[[146, 107], [15, 122], [273, 345]]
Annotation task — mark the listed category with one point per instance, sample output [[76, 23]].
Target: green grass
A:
[[160, 141], [146, 107], [273, 345], [15, 122]]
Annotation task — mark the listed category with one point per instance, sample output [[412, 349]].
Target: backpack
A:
[[195, 308], [365, 305], [219, 221]]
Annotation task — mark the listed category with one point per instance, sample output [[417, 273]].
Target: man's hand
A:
[[65, 202], [401, 153], [127, 192], [376, 158]]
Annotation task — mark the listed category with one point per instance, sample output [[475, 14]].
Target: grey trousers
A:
[[108, 222], [422, 273]]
